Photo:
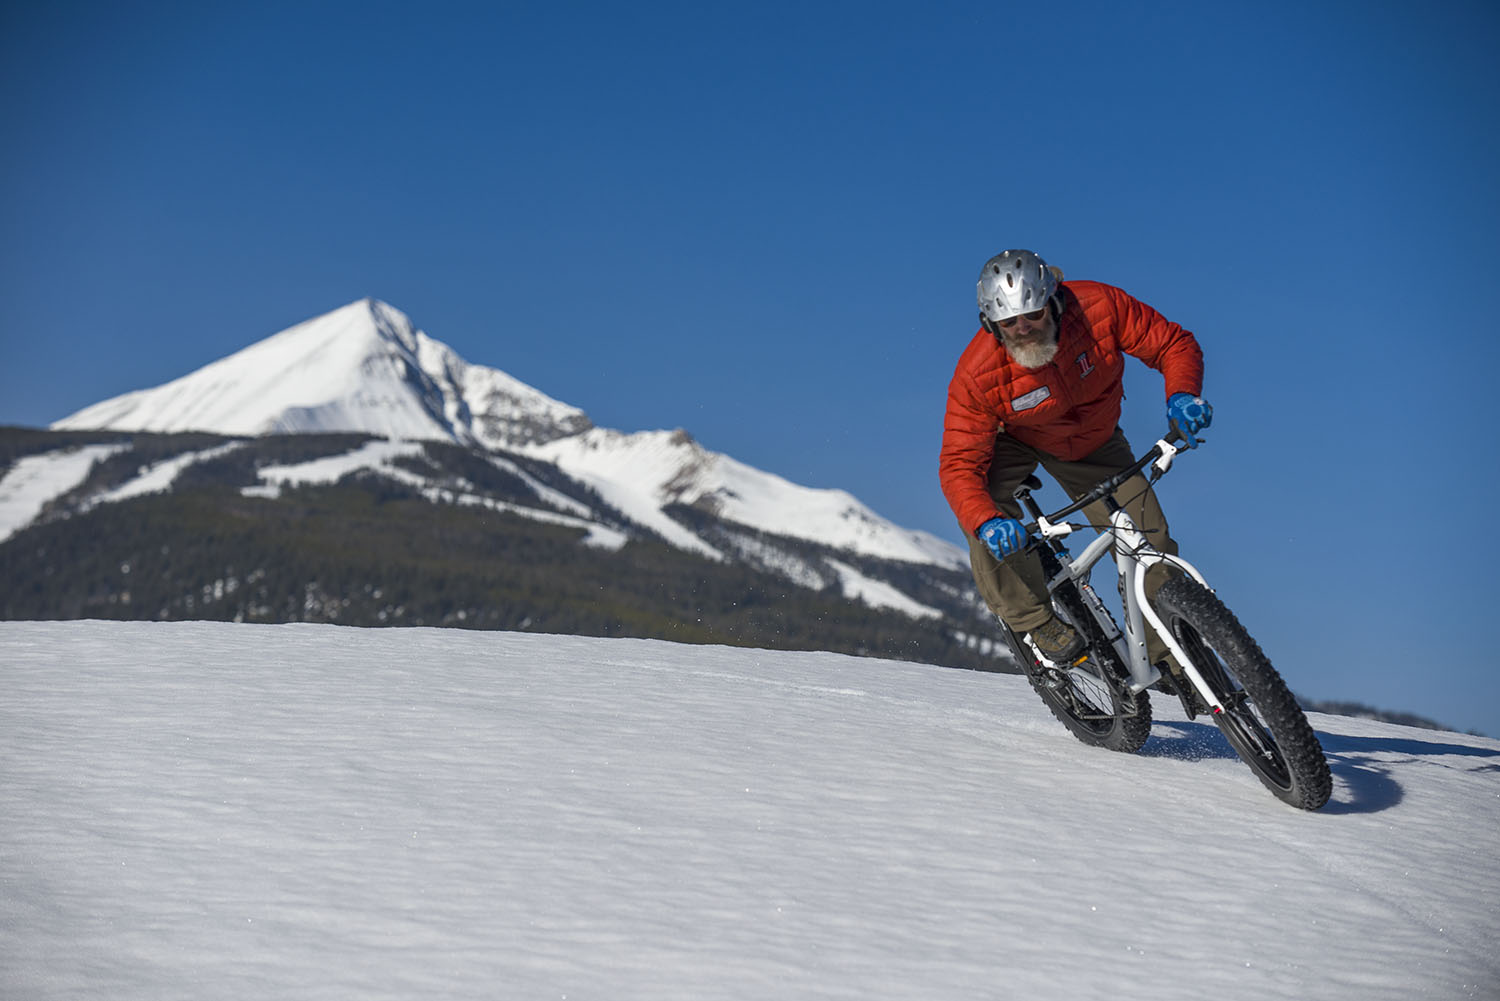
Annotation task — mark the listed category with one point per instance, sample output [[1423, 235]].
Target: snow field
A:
[[200, 810]]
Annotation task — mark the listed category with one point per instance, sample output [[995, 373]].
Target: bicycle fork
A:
[[1137, 558]]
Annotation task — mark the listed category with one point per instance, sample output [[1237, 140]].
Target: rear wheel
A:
[[1091, 699], [1261, 719]]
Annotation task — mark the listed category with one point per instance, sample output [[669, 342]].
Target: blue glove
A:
[[1190, 413], [1003, 535]]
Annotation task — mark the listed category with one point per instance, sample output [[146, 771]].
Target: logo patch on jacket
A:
[[1031, 399]]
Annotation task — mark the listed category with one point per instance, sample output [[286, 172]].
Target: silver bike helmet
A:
[[1017, 281]]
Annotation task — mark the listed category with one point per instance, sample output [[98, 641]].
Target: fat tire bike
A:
[[1101, 696]]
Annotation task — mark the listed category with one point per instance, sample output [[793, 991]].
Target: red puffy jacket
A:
[[1068, 408]]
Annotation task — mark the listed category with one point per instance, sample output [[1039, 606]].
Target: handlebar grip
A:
[[1175, 435]]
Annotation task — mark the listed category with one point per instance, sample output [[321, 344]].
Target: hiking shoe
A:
[[1057, 641]]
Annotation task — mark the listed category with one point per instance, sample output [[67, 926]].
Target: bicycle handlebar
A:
[[1105, 487]]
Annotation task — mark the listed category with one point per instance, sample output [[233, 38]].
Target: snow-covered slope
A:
[[35, 480], [643, 472], [366, 368], [382, 457], [194, 810]]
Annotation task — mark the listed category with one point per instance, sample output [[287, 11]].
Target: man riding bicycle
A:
[[1041, 383]]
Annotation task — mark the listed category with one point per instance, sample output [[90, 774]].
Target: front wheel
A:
[[1261, 719]]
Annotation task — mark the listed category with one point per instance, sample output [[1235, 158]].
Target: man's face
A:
[[1032, 342]]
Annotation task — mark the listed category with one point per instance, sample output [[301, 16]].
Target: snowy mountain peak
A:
[[363, 367]]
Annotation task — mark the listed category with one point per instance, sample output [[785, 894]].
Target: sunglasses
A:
[[1035, 316]]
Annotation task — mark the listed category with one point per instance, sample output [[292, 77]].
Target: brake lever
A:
[[1047, 530], [1163, 462]]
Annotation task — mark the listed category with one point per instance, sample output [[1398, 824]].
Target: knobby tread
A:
[[1128, 730], [1127, 734], [1184, 600]]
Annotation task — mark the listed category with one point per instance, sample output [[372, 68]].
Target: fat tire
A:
[[1262, 720], [1128, 723]]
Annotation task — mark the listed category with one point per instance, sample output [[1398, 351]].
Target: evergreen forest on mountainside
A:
[[371, 551]]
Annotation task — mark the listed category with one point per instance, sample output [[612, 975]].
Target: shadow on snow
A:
[[1362, 766]]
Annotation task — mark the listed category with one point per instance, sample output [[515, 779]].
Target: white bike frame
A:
[[1134, 555]]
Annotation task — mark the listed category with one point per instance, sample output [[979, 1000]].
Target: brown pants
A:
[[1015, 588]]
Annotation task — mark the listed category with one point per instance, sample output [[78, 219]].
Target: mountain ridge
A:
[[366, 368]]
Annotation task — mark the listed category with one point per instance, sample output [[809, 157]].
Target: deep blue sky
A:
[[763, 222]]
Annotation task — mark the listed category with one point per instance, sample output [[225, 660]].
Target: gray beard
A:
[[1033, 355]]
